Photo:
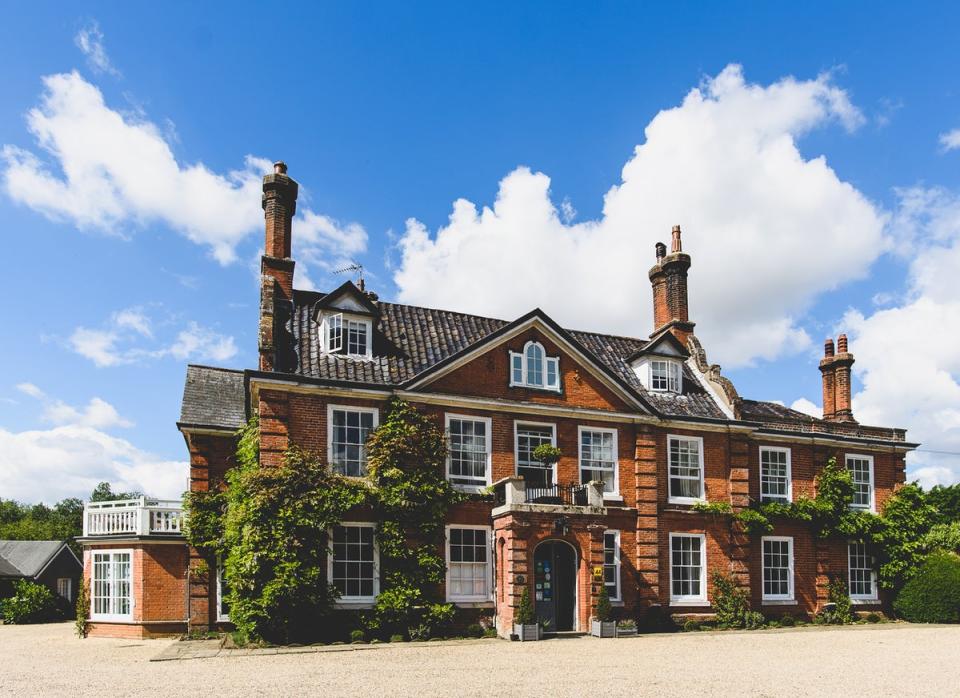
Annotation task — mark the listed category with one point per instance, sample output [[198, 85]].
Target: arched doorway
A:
[[555, 584]]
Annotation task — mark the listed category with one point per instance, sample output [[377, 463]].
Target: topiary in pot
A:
[[525, 624], [601, 625], [933, 594]]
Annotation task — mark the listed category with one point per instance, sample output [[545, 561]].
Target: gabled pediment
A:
[[493, 354], [664, 344], [347, 298]]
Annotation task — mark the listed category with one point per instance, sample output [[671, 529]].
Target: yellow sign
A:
[[598, 572]]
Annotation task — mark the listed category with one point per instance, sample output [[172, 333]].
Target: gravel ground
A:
[[885, 660]]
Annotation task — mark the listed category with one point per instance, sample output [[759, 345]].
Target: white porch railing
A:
[[138, 517]]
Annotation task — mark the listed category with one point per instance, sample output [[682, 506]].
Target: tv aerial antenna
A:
[[353, 267]]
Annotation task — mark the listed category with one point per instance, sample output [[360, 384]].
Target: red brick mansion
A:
[[646, 427]]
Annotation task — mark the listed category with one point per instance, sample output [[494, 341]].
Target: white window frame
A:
[[872, 506], [790, 595], [616, 562], [93, 571], [350, 600], [341, 347], [690, 599], [674, 376], [65, 584], [703, 485], [874, 595], [615, 492], [517, 424], [471, 598], [776, 498], [221, 616], [349, 408], [548, 361], [489, 464]]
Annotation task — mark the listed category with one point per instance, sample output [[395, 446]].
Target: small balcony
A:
[[133, 517], [513, 494]]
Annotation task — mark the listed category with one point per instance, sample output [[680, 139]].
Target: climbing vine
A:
[[405, 459]]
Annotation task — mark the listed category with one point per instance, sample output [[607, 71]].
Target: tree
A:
[[104, 493]]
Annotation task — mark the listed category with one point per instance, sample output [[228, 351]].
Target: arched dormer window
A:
[[532, 368]]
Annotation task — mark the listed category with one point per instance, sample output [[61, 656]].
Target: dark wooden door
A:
[[555, 584]]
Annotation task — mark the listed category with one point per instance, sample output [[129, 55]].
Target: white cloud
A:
[[90, 41], [768, 229], [31, 390], [69, 461], [907, 356], [804, 405], [119, 342], [98, 414], [114, 172], [950, 140]]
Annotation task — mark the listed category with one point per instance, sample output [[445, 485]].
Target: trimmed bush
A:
[[30, 603], [933, 594], [356, 636]]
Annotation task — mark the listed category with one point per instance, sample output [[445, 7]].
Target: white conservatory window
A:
[[532, 368], [469, 568], [111, 595], [775, 474]]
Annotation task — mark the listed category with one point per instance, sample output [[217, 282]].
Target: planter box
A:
[[603, 629], [527, 633], [626, 632]]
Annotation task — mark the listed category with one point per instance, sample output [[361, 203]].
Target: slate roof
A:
[[25, 558], [213, 397], [410, 339]]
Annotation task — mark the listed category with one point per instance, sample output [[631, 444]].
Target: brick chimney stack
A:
[[276, 265], [669, 280], [835, 367]]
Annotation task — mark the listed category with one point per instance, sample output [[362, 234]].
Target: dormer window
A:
[[532, 368], [665, 376], [343, 334]]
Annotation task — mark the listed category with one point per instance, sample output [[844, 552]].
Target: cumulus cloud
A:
[[98, 413], [907, 356], [950, 140], [90, 41], [69, 461], [119, 342], [31, 390], [114, 172], [804, 405], [768, 229]]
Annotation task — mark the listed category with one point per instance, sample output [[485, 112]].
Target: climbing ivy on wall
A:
[[406, 458]]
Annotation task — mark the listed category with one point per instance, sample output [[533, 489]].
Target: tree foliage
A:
[[30, 603], [933, 594]]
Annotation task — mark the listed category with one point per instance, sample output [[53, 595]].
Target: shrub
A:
[[397, 638], [356, 636], [490, 632], [873, 618], [474, 630], [525, 615], [732, 605], [82, 609], [787, 621], [419, 633], [933, 594], [30, 603], [691, 625], [943, 537], [603, 605]]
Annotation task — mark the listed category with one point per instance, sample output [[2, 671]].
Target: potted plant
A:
[[601, 625], [626, 628], [525, 625]]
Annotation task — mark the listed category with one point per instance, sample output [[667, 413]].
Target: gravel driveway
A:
[[885, 660]]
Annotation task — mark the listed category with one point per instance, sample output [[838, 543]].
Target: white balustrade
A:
[[140, 517]]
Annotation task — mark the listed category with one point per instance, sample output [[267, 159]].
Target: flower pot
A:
[[626, 632], [603, 628], [527, 633]]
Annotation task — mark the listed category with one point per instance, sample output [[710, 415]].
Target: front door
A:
[[555, 584]]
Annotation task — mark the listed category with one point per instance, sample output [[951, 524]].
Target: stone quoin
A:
[[646, 428]]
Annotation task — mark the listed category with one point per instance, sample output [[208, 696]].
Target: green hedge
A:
[[933, 594], [30, 603]]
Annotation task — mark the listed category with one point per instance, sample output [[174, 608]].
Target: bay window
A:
[[111, 592]]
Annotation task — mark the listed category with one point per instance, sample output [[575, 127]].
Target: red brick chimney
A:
[[276, 265], [836, 370], [669, 280]]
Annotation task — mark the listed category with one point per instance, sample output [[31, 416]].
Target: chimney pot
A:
[[280, 167], [661, 250], [675, 245], [842, 344], [828, 347]]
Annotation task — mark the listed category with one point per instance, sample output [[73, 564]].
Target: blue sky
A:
[[811, 154]]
